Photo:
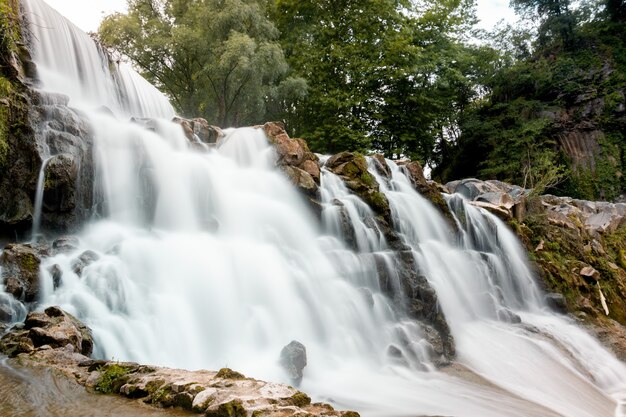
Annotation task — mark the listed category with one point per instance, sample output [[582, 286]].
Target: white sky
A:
[[88, 14]]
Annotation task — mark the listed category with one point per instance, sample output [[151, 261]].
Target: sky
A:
[[88, 14]]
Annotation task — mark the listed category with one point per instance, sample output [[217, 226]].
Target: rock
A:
[[590, 273], [499, 199], [381, 165], [540, 246], [293, 359], [20, 270], [51, 329], [301, 179], [499, 211], [57, 275], [430, 190], [65, 244], [199, 131], [353, 170], [85, 259], [296, 160], [557, 302]]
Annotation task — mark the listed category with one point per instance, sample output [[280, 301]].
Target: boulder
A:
[[51, 329], [198, 130], [380, 164], [83, 260], [20, 270], [557, 302], [65, 244], [296, 160], [293, 360]]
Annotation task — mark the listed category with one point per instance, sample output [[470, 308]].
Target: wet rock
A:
[[57, 275], [20, 270], [65, 244], [51, 329], [381, 166], [296, 160], [84, 260], [302, 180], [199, 131], [557, 302], [430, 190], [353, 170], [293, 359]]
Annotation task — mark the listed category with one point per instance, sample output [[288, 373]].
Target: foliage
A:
[[214, 58], [383, 74], [535, 98]]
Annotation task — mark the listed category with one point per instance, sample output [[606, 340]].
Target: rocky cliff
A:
[[578, 248]]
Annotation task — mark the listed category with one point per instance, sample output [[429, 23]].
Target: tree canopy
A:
[[218, 59], [404, 77]]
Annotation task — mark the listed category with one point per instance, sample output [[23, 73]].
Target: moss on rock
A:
[[112, 379], [228, 373], [233, 408]]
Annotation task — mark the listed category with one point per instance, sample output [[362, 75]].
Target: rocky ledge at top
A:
[[56, 340]]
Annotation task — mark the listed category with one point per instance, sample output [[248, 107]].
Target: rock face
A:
[[293, 360], [295, 159], [579, 248], [18, 151], [41, 131], [414, 171], [56, 340]]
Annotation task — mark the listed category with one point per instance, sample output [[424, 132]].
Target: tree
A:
[[557, 19], [215, 58], [381, 73]]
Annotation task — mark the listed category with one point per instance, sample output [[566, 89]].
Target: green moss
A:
[[228, 373], [234, 408], [112, 379], [300, 399], [29, 262], [351, 414]]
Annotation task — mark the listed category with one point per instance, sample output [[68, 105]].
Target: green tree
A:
[[214, 58], [383, 74]]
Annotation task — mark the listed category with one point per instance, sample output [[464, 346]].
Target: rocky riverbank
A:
[[55, 340]]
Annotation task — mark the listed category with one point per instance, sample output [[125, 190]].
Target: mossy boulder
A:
[[20, 270], [353, 170], [296, 160]]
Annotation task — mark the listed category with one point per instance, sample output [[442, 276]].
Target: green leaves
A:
[[215, 58]]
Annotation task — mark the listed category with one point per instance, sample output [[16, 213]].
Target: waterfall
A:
[[70, 62], [212, 259]]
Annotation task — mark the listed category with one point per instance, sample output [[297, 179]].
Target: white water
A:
[[39, 198], [70, 62], [483, 284], [211, 259]]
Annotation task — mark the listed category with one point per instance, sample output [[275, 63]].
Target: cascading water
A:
[[71, 63], [502, 327], [212, 259]]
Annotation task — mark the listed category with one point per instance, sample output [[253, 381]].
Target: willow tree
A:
[[215, 58]]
